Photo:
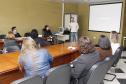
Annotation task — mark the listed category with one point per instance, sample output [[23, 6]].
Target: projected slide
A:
[[105, 17]]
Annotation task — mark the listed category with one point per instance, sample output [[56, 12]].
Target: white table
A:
[[62, 37]]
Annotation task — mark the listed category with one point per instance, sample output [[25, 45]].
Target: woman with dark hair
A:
[[89, 56], [104, 47], [13, 29], [46, 31]]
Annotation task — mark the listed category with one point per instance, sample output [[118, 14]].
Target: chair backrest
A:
[[9, 42], [30, 80], [117, 56], [59, 75], [97, 72], [2, 36], [11, 45], [41, 41]]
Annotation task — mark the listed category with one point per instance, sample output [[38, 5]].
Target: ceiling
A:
[[86, 1]]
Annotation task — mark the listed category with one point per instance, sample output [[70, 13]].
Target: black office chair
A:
[[2, 36], [10, 45], [41, 41], [96, 74], [59, 75], [29, 80], [114, 61], [117, 56]]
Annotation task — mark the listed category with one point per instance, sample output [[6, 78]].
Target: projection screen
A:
[[105, 17]]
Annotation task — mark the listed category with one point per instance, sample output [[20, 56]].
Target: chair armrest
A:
[[30, 80]]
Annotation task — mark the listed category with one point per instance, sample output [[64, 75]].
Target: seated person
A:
[[48, 35], [32, 60], [114, 41], [15, 32], [104, 47], [34, 33], [10, 35], [10, 44], [40, 41], [46, 31], [89, 56]]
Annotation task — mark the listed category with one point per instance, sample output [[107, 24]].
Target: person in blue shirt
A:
[[32, 60]]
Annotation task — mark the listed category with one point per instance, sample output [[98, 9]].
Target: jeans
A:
[[73, 37]]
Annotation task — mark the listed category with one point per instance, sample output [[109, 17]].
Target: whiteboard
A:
[[105, 17]]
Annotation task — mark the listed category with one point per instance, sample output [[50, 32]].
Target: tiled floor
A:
[[121, 77]]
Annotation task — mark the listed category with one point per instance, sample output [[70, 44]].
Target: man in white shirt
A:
[[74, 29]]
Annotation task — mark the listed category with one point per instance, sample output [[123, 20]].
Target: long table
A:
[[9, 70]]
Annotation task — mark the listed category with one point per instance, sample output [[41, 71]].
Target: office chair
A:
[[41, 41], [29, 80], [114, 60], [10, 45], [2, 36], [96, 73], [59, 75], [117, 56]]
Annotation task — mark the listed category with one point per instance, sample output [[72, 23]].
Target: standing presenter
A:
[[73, 25]]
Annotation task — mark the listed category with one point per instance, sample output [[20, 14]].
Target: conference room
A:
[[63, 42]]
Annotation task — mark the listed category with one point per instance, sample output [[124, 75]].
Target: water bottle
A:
[[4, 50]]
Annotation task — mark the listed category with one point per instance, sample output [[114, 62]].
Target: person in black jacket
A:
[[13, 29], [46, 31], [34, 33]]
